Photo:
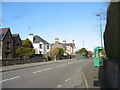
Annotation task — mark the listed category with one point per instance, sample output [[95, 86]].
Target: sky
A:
[[64, 20]]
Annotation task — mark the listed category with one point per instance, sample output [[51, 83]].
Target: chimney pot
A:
[[64, 41], [56, 40]]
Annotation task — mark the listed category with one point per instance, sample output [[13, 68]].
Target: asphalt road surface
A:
[[65, 74]]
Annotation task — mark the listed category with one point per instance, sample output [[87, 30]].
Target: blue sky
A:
[[64, 20]]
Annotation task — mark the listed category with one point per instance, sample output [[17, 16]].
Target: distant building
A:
[[40, 45], [6, 43], [17, 43], [68, 47]]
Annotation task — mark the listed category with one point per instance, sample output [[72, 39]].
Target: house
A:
[[40, 45], [17, 43], [68, 47], [6, 43]]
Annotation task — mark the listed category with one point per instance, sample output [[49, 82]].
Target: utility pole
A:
[[100, 28], [29, 30], [83, 44]]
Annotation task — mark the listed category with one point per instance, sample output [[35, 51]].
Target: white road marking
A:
[[47, 69], [70, 63], [86, 83], [42, 70], [61, 65], [9, 79], [67, 79], [59, 85], [38, 71]]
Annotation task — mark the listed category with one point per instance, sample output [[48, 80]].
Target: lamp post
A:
[[98, 15]]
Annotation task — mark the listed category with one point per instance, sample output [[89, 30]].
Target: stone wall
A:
[[7, 49], [8, 62], [112, 68], [17, 44]]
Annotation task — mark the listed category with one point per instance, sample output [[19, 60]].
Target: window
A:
[[47, 46], [8, 45], [7, 55], [17, 44], [40, 46]]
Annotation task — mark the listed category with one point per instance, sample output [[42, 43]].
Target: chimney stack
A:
[[56, 40], [64, 41], [30, 37], [72, 41]]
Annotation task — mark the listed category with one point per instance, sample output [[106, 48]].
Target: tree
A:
[[54, 53], [61, 51], [83, 50], [90, 54], [27, 43], [27, 50]]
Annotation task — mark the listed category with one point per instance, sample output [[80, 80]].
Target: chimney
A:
[[56, 40], [72, 41], [64, 41], [30, 37]]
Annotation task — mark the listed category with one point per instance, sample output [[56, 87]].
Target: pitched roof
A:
[[68, 44], [38, 39], [3, 32], [65, 44], [15, 37]]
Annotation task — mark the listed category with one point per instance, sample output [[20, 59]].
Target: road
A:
[[65, 74]]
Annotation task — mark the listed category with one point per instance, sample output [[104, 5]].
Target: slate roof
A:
[[68, 44], [65, 44], [15, 37], [38, 39], [3, 32]]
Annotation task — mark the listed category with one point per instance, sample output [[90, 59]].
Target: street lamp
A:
[[98, 15]]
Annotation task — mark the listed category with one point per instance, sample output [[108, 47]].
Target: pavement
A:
[[95, 76]]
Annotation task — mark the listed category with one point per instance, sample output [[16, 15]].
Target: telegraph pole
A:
[[29, 30], [83, 44], [100, 28]]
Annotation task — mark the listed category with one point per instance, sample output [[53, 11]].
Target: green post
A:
[[97, 56]]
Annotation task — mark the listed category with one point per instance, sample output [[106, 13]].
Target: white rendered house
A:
[[40, 45]]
